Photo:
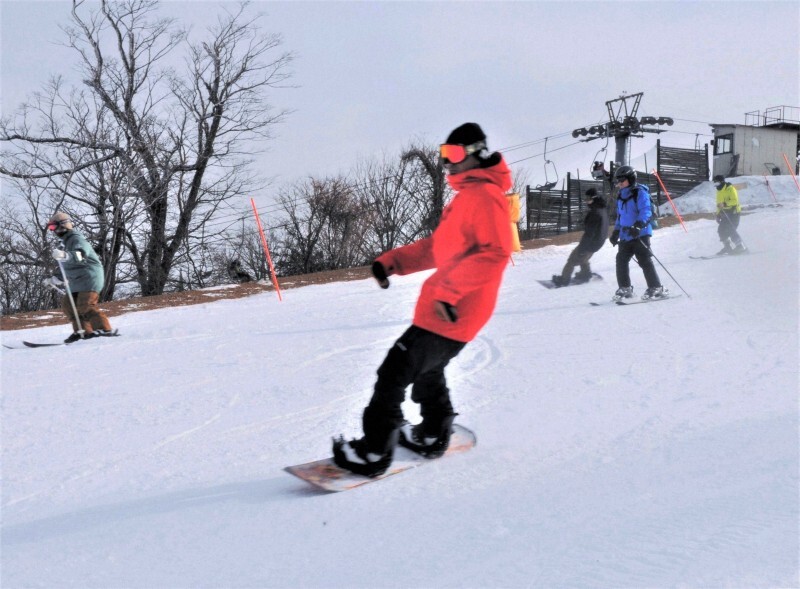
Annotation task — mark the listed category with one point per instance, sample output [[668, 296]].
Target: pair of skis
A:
[[632, 301], [725, 255], [27, 344]]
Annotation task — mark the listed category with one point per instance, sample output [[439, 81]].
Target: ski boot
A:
[[655, 292], [623, 292], [726, 249]]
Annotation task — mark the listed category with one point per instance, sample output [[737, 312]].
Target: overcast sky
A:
[[372, 76]]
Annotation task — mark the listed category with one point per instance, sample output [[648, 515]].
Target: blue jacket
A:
[[630, 210]]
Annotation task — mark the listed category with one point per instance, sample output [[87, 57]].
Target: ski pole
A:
[[665, 268], [80, 330]]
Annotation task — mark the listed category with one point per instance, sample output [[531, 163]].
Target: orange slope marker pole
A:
[[266, 250], [791, 171], [770, 189], [669, 198]]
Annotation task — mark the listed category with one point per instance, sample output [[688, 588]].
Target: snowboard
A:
[[325, 475], [573, 282]]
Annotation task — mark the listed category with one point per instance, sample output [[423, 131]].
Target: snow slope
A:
[[649, 446]]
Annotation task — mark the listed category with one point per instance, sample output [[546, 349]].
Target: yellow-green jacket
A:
[[728, 199]]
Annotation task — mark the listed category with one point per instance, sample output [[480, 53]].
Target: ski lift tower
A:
[[623, 124]]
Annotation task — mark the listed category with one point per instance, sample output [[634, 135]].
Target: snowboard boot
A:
[[582, 277], [655, 292], [623, 292], [428, 443], [559, 280], [739, 249], [356, 457]]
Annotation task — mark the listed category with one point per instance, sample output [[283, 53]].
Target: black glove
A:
[[379, 272], [636, 229], [445, 311], [614, 239]]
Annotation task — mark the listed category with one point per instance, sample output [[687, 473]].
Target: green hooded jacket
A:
[[84, 275]]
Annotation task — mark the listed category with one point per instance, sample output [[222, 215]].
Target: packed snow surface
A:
[[649, 446]]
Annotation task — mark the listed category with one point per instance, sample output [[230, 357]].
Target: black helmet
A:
[[719, 178], [625, 173]]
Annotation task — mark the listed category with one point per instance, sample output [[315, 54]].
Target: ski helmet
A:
[[625, 173], [59, 221]]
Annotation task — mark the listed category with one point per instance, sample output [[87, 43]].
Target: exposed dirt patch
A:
[[196, 297]]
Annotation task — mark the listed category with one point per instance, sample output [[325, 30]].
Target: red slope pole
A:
[[266, 250], [791, 171], [669, 198]]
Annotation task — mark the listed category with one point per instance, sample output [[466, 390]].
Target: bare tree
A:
[[429, 186], [324, 228], [395, 214], [155, 151], [23, 245]]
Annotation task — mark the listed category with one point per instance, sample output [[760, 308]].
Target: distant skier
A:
[[469, 251], [632, 232], [728, 213], [595, 232], [85, 276]]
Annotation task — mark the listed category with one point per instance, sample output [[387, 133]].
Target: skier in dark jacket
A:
[[632, 231], [594, 236], [85, 277]]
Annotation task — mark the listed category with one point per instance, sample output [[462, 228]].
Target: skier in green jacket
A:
[[85, 277]]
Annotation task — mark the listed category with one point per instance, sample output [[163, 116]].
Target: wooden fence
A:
[[560, 210]]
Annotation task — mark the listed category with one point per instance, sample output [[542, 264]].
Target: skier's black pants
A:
[[629, 249], [728, 224], [418, 358]]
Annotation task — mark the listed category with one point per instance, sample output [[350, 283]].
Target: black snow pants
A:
[[727, 229], [629, 249], [418, 358]]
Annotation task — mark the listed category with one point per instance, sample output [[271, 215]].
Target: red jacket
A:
[[470, 249]]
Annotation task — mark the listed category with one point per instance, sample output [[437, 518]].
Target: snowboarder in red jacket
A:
[[469, 250]]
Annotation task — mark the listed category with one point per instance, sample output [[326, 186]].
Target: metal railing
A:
[[775, 115]]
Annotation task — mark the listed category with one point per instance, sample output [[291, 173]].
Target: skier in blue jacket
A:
[[632, 232]]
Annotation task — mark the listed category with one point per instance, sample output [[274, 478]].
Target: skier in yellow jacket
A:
[[728, 213]]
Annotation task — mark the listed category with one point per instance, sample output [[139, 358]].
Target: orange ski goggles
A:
[[455, 154]]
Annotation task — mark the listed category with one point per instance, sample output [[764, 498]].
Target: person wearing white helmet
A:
[[84, 273]]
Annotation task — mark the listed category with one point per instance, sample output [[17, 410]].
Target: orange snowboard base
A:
[[324, 474]]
